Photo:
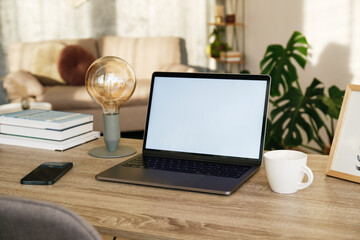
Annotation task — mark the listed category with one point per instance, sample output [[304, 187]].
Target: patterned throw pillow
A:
[[44, 63]]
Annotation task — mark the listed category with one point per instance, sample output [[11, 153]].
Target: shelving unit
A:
[[223, 24], [233, 36], [228, 61]]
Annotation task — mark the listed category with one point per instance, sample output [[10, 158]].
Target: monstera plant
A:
[[297, 113]]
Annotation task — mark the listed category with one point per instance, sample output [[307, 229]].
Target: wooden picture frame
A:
[[344, 158]]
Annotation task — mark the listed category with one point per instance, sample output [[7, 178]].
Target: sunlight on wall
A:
[[153, 18], [355, 42], [332, 29]]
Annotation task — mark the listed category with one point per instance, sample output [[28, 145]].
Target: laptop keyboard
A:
[[188, 166]]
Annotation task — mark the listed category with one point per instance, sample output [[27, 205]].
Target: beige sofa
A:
[[32, 71]]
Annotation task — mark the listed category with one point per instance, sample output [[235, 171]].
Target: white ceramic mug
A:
[[285, 170]]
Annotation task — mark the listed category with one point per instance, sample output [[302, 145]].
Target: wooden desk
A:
[[328, 209]]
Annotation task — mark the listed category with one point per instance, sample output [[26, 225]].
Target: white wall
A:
[[332, 28]]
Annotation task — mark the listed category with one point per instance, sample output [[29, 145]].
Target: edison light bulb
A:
[[110, 81]]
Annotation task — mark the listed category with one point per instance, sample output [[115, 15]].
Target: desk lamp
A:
[[110, 81]]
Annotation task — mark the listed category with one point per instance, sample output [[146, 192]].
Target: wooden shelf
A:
[[228, 62], [223, 24]]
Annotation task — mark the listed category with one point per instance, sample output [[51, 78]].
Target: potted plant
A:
[[217, 42], [295, 110]]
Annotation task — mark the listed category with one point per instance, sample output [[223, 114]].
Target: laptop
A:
[[204, 132]]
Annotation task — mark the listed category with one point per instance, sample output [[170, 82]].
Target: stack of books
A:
[[46, 129], [231, 56]]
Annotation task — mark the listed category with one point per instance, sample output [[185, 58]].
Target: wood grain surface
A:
[[328, 209]]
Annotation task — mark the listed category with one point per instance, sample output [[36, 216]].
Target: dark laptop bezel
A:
[[205, 157]]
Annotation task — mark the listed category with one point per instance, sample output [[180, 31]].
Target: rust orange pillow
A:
[[73, 63]]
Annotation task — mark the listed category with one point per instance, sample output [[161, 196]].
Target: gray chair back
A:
[[30, 219]]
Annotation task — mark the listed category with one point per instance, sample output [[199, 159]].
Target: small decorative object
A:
[[110, 81], [230, 18], [219, 13], [25, 103], [344, 160]]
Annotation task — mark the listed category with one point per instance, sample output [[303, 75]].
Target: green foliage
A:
[[277, 62], [333, 101], [294, 111], [218, 44]]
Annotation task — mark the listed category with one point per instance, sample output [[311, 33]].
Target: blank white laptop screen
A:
[[207, 116]]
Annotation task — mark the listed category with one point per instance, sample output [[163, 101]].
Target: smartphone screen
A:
[[47, 173]]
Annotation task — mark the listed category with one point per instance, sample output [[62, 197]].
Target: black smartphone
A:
[[47, 173]]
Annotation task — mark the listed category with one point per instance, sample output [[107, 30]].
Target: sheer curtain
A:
[[37, 20]]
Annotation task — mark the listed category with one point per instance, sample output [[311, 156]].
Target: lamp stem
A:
[[111, 131]]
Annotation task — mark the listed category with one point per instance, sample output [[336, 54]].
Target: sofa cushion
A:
[[77, 97], [145, 55], [73, 63], [20, 54], [67, 97], [177, 68], [44, 62], [141, 93]]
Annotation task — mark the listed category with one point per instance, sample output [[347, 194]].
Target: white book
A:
[[231, 59], [48, 144], [45, 119], [50, 134]]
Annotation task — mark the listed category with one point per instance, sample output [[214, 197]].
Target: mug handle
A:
[[310, 175]]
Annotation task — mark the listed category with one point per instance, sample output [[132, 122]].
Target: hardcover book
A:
[[45, 119], [51, 134], [48, 144]]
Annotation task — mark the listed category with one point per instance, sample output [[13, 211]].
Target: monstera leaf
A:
[[292, 114], [272, 141], [295, 112], [334, 101], [277, 62]]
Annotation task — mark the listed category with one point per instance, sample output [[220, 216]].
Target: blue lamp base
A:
[[112, 139], [121, 151]]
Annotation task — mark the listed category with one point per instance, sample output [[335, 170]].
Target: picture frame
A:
[[344, 158]]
